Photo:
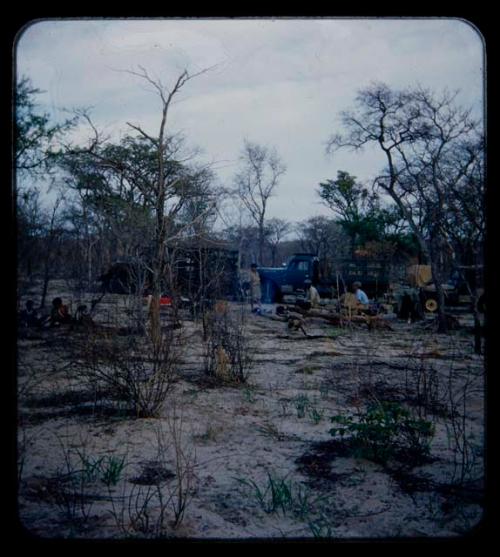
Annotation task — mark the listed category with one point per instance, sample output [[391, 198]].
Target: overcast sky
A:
[[277, 82]]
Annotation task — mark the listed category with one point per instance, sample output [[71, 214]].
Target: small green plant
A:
[[386, 430], [336, 332], [249, 395], [307, 370], [304, 406], [192, 393], [270, 430], [284, 407], [321, 528], [210, 434], [280, 494], [301, 404], [324, 390], [71, 483], [111, 469], [315, 414], [305, 501], [106, 468], [91, 466]]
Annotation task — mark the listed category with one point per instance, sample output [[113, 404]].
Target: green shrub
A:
[[386, 431]]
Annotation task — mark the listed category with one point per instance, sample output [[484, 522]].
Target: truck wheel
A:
[[431, 305], [269, 292]]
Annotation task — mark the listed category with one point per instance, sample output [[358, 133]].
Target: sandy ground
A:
[[234, 434]]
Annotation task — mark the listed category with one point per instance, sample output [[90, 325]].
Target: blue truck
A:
[[290, 278]]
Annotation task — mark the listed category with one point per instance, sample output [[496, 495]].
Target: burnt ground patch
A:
[[381, 390], [66, 398], [316, 462], [93, 412], [453, 493], [153, 473]]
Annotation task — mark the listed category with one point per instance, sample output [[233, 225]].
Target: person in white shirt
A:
[[360, 294], [312, 294]]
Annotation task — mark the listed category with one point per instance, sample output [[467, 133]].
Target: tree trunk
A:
[[477, 327], [261, 244], [437, 277], [273, 256], [160, 240], [46, 277], [46, 272], [89, 264], [353, 244], [475, 310], [442, 322]]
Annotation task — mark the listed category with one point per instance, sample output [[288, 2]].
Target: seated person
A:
[[59, 313], [29, 317], [82, 316], [361, 296]]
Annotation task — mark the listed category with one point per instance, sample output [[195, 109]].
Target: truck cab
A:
[[276, 281]]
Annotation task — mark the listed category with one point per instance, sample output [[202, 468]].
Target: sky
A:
[[276, 82]]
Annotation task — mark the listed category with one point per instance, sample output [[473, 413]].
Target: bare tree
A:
[[37, 143], [159, 189], [276, 231], [256, 182], [466, 222], [30, 225], [238, 230], [417, 132], [53, 232], [324, 237], [151, 169]]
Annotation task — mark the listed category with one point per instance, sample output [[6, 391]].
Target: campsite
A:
[[251, 282]]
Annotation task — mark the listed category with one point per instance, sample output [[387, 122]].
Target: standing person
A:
[[312, 294], [255, 291], [361, 296]]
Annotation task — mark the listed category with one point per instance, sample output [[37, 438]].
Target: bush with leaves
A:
[[386, 431]]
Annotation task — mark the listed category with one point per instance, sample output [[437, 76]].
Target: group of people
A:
[[59, 315], [312, 298]]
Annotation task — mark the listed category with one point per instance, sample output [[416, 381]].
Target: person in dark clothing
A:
[[59, 313], [29, 317], [83, 317], [481, 303], [410, 308]]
